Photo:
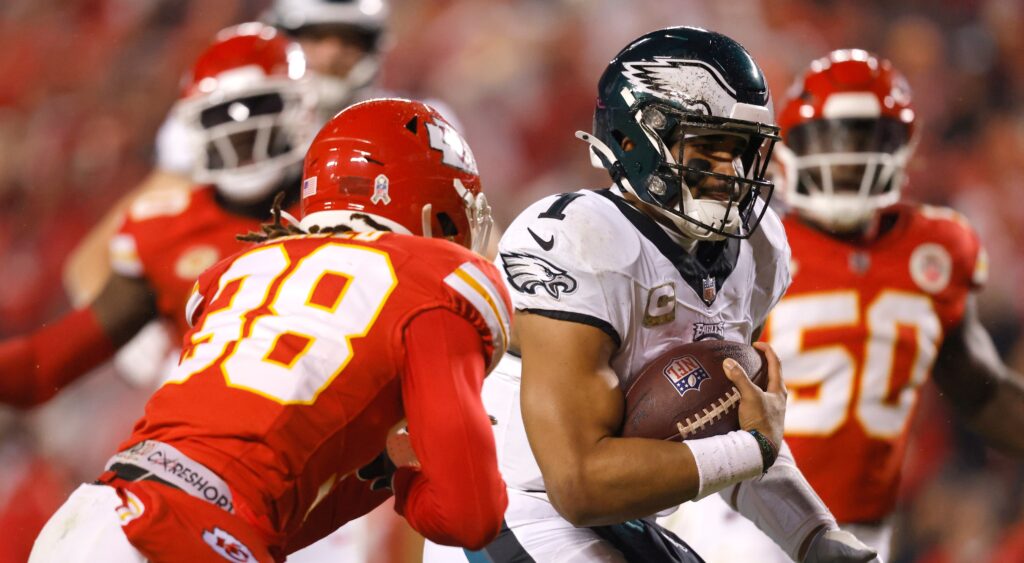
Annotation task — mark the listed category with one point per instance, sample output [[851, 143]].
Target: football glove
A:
[[838, 546]]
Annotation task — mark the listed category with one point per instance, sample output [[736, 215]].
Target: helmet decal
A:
[[380, 190], [309, 187], [671, 78], [454, 150]]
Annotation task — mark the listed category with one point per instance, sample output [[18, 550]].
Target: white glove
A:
[[837, 546]]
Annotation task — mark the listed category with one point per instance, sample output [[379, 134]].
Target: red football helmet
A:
[[848, 130], [397, 163], [249, 111]]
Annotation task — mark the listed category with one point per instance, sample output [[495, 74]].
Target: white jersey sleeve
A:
[[773, 259], [565, 258]]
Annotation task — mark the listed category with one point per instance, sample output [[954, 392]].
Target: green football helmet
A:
[[678, 83]]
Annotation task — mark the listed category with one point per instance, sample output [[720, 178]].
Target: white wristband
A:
[[724, 460]]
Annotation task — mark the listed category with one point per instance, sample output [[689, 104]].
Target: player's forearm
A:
[[983, 389], [35, 367], [607, 485], [456, 496], [1001, 419]]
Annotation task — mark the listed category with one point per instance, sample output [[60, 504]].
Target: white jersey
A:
[[591, 257]]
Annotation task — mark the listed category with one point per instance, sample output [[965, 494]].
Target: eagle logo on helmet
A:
[[676, 79], [527, 273]]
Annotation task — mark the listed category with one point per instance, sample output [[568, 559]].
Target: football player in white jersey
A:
[[681, 248]]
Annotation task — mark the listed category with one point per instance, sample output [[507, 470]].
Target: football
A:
[[687, 385]]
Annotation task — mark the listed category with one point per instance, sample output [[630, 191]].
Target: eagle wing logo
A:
[[669, 78], [528, 273]]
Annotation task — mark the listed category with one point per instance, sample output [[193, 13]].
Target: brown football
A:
[[687, 384]]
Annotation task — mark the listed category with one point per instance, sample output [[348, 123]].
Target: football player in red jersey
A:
[[882, 296], [335, 362], [342, 41], [248, 108]]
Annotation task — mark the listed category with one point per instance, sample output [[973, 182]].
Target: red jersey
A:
[[858, 333], [170, 237], [289, 380]]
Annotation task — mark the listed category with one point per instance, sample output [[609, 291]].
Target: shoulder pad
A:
[[161, 202], [479, 283], [581, 228]]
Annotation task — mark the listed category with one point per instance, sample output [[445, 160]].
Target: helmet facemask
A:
[[654, 126], [842, 171], [252, 141]]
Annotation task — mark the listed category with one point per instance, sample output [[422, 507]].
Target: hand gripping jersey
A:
[[170, 237], [590, 257], [289, 380], [857, 334]]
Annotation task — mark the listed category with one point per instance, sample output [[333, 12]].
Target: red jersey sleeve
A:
[[478, 295], [970, 261], [35, 367], [457, 497]]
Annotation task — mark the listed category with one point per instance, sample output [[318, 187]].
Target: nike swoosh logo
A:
[[545, 244]]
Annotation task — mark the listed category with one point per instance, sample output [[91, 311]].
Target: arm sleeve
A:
[[782, 504], [34, 368], [457, 497]]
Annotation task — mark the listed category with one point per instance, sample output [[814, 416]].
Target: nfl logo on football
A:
[[685, 374]]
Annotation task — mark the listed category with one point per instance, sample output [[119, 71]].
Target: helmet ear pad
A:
[[641, 161]]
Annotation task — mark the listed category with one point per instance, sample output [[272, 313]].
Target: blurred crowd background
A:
[[86, 83]]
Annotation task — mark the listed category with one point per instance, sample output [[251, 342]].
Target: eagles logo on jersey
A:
[[527, 273]]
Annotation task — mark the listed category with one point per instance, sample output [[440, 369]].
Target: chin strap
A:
[[600, 155]]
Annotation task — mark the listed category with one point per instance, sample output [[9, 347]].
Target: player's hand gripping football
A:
[[763, 411]]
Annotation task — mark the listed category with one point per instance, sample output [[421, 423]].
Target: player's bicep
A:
[[570, 394]]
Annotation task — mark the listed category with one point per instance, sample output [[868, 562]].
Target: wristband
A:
[[769, 451], [724, 460]]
